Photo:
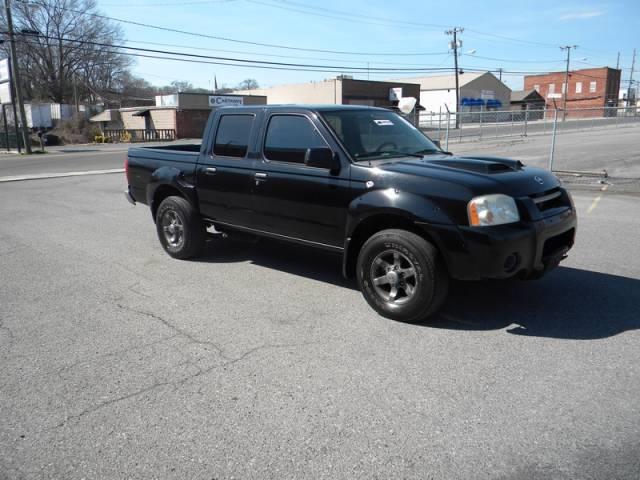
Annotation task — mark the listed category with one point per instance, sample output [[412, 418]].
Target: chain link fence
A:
[[560, 140], [448, 127]]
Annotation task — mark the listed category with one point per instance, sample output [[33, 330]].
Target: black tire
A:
[[193, 232], [428, 285]]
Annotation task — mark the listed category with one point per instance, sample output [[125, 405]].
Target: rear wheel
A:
[[180, 229], [401, 275]]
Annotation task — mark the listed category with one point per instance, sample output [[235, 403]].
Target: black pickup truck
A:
[[364, 183]]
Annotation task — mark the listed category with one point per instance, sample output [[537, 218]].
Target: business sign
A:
[[225, 101], [4, 70], [166, 100], [554, 95], [487, 95], [5, 93]]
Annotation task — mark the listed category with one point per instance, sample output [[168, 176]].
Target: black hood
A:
[[481, 174]]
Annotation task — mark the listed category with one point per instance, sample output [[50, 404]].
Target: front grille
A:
[[549, 199]]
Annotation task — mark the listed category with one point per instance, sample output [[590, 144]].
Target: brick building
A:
[[589, 88]]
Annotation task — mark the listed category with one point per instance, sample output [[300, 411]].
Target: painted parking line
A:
[[596, 200], [42, 176]]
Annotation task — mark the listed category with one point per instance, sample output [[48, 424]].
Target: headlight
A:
[[495, 209]]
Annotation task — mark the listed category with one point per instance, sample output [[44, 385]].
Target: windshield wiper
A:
[[386, 154]]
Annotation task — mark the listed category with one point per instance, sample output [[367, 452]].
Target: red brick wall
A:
[[606, 91]]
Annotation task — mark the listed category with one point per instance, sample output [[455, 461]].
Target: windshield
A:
[[375, 134]]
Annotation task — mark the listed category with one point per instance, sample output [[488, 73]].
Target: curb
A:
[[44, 176]]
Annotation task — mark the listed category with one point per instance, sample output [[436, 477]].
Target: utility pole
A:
[[633, 65], [75, 94], [500, 72], [454, 46], [565, 94], [17, 86], [618, 62]]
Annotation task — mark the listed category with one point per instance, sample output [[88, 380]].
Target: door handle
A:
[[261, 175], [210, 170]]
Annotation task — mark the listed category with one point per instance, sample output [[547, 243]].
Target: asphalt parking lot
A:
[[260, 361]]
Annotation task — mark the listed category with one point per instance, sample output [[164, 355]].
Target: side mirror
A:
[[436, 143], [322, 157]]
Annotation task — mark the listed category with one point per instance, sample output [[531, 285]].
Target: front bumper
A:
[[526, 249]]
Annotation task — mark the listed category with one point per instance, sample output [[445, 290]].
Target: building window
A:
[[552, 88], [232, 137], [564, 87], [578, 87], [592, 87], [288, 138], [536, 88]]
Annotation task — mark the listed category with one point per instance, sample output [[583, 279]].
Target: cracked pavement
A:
[[260, 361]]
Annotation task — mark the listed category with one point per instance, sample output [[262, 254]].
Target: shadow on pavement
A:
[[568, 303], [290, 258]]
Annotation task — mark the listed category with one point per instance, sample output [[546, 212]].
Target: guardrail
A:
[[151, 135]]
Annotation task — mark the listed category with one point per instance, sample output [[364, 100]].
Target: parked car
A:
[[364, 183]]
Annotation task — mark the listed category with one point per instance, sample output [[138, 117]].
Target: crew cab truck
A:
[[364, 183]]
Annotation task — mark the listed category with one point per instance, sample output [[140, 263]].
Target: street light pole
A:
[[454, 45], [633, 66], [565, 94], [17, 86]]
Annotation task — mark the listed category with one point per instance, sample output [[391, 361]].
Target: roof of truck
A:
[[315, 107]]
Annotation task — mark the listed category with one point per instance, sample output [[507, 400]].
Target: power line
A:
[[277, 55], [511, 60], [234, 59], [345, 16], [357, 17], [227, 39], [512, 39], [204, 59], [194, 58], [172, 4]]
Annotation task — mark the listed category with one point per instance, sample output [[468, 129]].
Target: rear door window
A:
[[232, 136], [288, 138]]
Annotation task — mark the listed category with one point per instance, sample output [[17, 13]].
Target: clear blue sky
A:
[[517, 36]]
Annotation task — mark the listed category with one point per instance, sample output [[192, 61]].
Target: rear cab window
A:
[[232, 135]]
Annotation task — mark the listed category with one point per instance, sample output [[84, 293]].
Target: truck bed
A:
[[185, 147]]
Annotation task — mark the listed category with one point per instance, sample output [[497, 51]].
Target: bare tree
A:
[[248, 84], [180, 86], [65, 52], [131, 91]]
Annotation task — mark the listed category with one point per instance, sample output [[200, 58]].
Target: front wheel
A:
[[402, 276], [180, 229]]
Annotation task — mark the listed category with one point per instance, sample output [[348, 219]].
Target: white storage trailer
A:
[[38, 115]]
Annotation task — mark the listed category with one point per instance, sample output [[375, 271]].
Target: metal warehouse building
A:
[[477, 91], [342, 90]]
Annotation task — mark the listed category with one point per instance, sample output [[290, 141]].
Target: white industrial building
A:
[[47, 115], [477, 91]]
